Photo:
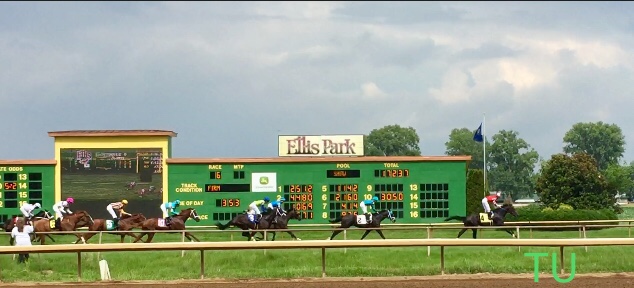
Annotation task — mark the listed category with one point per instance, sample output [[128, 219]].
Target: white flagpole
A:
[[484, 146]]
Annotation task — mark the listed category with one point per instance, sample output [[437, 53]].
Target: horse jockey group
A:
[[256, 208], [60, 208]]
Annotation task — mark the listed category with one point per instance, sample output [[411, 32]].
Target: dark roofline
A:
[[111, 133], [317, 159]]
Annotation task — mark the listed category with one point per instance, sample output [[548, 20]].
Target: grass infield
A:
[[358, 262]]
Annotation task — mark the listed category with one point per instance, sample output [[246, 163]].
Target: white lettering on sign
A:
[[320, 145], [189, 188]]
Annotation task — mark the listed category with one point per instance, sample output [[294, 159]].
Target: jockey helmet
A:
[[498, 193], [37, 205], [70, 200], [375, 198], [282, 199], [125, 202], [177, 202], [267, 199]]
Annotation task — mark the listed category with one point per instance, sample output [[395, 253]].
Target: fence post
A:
[[183, 240], [202, 264], [79, 266], [584, 235], [345, 237], [323, 262], [517, 232], [442, 260], [561, 258], [428, 237], [99, 253], [629, 229]]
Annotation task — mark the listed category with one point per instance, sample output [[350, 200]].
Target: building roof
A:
[[111, 133], [317, 159], [28, 162]]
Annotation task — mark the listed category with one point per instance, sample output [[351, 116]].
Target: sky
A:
[[229, 77]]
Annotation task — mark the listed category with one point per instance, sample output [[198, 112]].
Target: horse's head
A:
[[509, 209], [388, 214], [293, 214], [82, 216], [191, 213]]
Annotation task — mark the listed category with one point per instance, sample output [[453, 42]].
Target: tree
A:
[[604, 142], [392, 140], [574, 180], [461, 143], [475, 190], [512, 164], [619, 177]]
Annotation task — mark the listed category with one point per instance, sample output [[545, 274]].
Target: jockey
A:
[[172, 208], [491, 198], [119, 207], [364, 207], [253, 207], [27, 210], [279, 205], [63, 207]]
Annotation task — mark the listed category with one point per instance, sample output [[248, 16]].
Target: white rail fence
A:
[[315, 244]]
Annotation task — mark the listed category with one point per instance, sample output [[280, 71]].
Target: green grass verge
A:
[[357, 262]]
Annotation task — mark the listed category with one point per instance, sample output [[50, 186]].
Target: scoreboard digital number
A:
[[417, 191], [25, 184]]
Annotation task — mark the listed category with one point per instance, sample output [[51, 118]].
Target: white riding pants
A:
[[25, 213], [485, 205], [363, 208], [58, 212], [111, 211], [164, 210], [253, 209]]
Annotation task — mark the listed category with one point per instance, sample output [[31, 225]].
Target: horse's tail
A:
[[459, 218], [223, 226], [337, 220]]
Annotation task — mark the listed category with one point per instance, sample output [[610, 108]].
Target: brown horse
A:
[[10, 223], [177, 223], [71, 222], [126, 223]]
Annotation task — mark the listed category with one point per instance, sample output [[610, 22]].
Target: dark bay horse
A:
[[10, 223], [281, 223], [177, 223], [71, 222], [482, 219], [351, 220], [242, 221], [126, 223]]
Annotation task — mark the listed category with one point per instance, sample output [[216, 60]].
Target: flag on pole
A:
[[477, 136]]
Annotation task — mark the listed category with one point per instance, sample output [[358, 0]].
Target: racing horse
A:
[[281, 223], [242, 221], [177, 223], [70, 222], [126, 223], [358, 221], [482, 219], [10, 223]]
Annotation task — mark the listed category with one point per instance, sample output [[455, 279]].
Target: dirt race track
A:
[[480, 280]]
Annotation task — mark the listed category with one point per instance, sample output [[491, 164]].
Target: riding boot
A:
[[367, 218], [491, 215]]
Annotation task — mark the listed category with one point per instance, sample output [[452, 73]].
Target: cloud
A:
[[227, 76]]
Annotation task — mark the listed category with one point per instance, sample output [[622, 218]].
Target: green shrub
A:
[[475, 191], [538, 213], [565, 207]]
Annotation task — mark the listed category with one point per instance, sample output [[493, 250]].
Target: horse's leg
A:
[[462, 232], [136, 239], [380, 233], [335, 233], [475, 233], [365, 234], [512, 233], [49, 237], [150, 236], [188, 235]]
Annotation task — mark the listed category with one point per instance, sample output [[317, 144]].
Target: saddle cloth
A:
[[362, 220], [161, 222], [484, 218]]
